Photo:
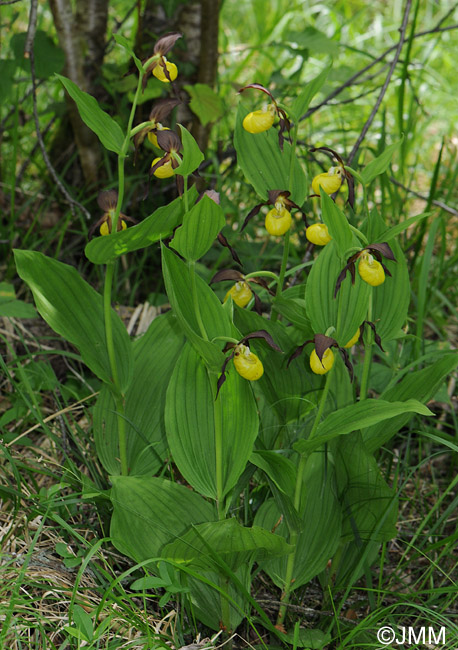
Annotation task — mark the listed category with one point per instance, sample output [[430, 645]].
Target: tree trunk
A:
[[82, 38]]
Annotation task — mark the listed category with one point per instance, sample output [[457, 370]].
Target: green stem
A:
[[367, 355], [107, 294], [262, 274], [297, 503]]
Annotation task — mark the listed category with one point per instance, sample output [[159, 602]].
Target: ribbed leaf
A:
[[293, 309], [302, 101], [215, 319], [369, 505], [233, 543], [75, 311], [264, 165], [279, 469], [190, 424], [106, 129], [206, 601], [358, 416], [200, 228], [390, 299], [322, 307], [155, 355], [157, 226], [337, 224], [419, 384], [151, 512], [380, 164], [321, 525], [192, 155]]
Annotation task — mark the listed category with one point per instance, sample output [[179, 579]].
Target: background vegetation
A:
[[57, 565]]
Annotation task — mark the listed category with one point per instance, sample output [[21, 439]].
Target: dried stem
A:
[[371, 117]]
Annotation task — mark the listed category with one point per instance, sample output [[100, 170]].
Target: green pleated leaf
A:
[[321, 305], [190, 423], [264, 165], [380, 164], [391, 299], [294, 310], [390, 233], [206, 600], [233, 543], [158, 225], [151, 512], [215, 319], [358, 416], [302, 101], [319, 537], [75, 311], [279, 469], [192, 155], [106, 129], [200, 228], [155, 355], [281, 475], [369, 505], [337, 224], [419, 384]]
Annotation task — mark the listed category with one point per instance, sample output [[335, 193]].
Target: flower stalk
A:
[[107, 295]]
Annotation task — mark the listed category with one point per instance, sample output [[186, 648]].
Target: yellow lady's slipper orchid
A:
[[354, 339], [323, 366], [329, 181], [158, 71], [370, 270], [318, 234], [165, 171], [259, 121], [240, 293], [278, 221], [247, 363]]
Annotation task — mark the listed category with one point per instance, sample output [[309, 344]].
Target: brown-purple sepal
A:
[[107, 200], [257, 86], [377, 338], [222, 377], [381, 249], [262, 334], [252, 214], [168, 141], [227, 274], [223, 241], [165, 43], [298, 351]]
